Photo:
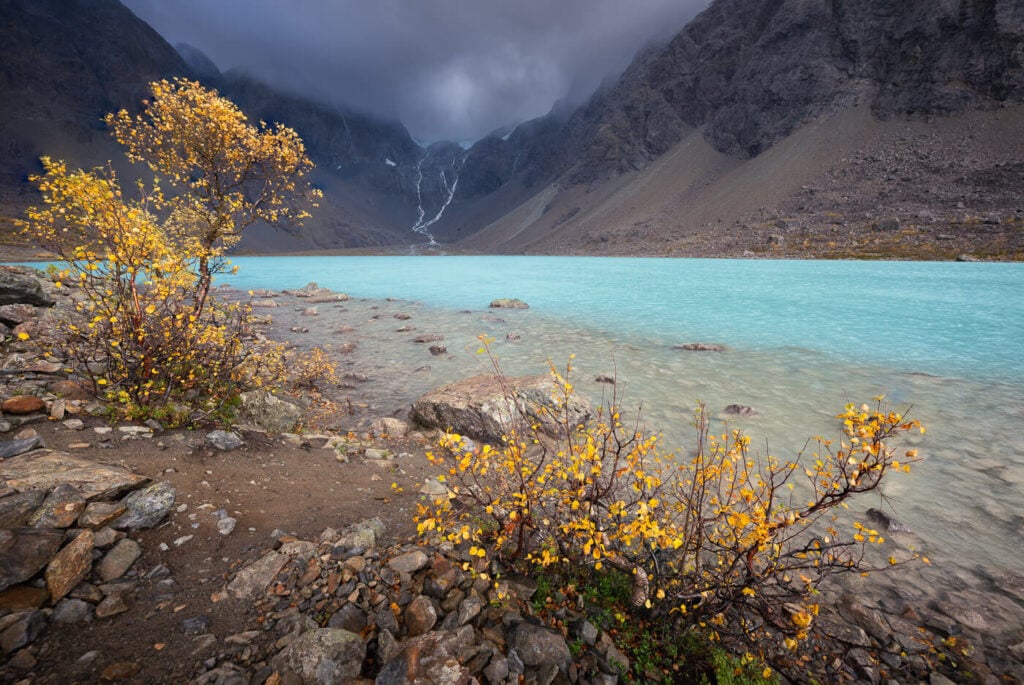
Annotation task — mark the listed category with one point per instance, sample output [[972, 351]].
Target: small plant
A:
[[724, 542]]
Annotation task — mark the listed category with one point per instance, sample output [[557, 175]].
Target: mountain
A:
[[66, 63], [732, 137], [767, 127]]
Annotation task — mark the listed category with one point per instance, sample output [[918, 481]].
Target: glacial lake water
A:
[[944, 340]]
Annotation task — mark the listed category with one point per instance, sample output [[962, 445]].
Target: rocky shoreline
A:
[[338, 601]]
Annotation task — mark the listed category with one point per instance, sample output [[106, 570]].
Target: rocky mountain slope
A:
[[695, 121], [780, 127]]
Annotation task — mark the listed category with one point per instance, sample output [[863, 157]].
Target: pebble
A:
[[178, 542], [73, 424]]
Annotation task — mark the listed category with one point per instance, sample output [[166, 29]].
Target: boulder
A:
[[225, 441], [538, 646], [263, 411], [486, 408], [389, 427], [324, 656], [19, 285], [509, 303], [147, 507]]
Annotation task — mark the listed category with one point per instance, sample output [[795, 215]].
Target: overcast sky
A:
[[448, 69]]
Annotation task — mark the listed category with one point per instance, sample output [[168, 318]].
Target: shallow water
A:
[[945, 340]]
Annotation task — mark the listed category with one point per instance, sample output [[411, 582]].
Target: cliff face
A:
[[63, 64], [749, 72]]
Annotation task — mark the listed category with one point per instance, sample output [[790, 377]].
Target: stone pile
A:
[[65, 556], [345, 608]]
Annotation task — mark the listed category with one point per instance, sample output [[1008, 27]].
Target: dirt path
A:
[[268, 485]]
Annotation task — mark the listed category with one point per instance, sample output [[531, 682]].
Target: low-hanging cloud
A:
[[448, 69]]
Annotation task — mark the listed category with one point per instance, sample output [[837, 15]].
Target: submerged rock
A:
[[701, 347], [509, 303]]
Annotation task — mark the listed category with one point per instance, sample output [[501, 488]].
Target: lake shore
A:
[[259, 485]]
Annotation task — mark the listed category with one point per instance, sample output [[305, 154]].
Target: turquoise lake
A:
[[944, 340]]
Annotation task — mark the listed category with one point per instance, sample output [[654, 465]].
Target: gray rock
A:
[[349, 617], [224, 440], [74, 424], [263, 411], [226, 525], [22, 632], [60, 509], [497, 670], [389, 427], [478, 406], [538, 646], [23, 553], [325, 656], [22, 285], [16, 509], [118, 560], [410, 562], [12, 448], [72, 611], [254, 578], [147, 507], [469, 609]]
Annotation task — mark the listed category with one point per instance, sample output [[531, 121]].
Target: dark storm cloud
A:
[[448, 69]]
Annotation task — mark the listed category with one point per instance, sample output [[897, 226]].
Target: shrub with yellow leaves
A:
[[147, 330], [722, 540]]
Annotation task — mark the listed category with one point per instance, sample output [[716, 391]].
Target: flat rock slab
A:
[[70, 566], [255, 578], [118, 560], [45, 469]]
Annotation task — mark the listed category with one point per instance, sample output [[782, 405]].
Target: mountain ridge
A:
[[702, 109]]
